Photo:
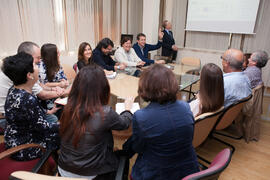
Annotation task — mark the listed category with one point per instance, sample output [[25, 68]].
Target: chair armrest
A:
[[13, 150], [121, 168], [42, 160]]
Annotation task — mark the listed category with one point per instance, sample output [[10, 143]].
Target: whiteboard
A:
[[228, 16]]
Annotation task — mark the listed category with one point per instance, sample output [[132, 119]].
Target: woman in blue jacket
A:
[[162, 131]]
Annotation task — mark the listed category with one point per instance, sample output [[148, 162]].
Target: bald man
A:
[[236, 83]]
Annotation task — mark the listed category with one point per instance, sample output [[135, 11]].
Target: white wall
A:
[[206, 56], [151, 20]]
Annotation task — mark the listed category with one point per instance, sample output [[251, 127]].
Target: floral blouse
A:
[[44, 79], [26, 124], [43, 76]]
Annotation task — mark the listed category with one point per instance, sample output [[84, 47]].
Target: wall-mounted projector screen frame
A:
[[225, 16]]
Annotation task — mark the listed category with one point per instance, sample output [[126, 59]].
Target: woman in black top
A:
[[86, 127], [84, 55]]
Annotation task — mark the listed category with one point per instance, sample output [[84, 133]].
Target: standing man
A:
[[142, 48], [169, 49]]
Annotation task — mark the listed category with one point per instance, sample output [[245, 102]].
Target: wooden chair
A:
[[69, 72], [203, 127], [24, 175], [192, 61], [229, 115], [196, 63], [75, 67], [165, 58], [251, 115], [9, 165]]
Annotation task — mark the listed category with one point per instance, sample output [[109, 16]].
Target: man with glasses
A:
[[236, 83], [101, 56]]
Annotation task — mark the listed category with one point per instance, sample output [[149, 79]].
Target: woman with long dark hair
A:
[[50, 72], [85, 127], [211, 95], [84, 55]]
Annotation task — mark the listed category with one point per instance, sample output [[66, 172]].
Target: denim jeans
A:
[[51, 118]]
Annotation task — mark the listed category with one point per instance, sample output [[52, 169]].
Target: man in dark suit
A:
[[142, 48], [169, 49]]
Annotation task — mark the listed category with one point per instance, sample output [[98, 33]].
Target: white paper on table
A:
[[120, 107], [111, 76], [62, 101]]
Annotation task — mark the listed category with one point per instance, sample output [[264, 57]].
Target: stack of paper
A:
[[111, 76], [120, 107], [62, 101]]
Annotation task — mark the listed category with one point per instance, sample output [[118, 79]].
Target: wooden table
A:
[[124, 86]]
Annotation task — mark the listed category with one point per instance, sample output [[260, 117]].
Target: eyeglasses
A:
[[221, 57]]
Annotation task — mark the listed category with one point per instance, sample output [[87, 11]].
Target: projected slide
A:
[[232, 16]]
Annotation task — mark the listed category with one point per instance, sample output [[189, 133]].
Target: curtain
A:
[[66, 23]]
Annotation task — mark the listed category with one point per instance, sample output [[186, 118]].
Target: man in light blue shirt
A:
[[236, 83]]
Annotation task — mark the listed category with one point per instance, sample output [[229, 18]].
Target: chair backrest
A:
[[218, 165], [9, 165], [191, 61], [69, 72], [230, 113], [255, 104], [204, 124], [75, 67], [166, 59], [22, 175]]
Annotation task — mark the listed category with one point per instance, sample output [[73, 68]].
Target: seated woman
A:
[[257, 61], [26, 119], [84, 55], [162, 131], [126, 54], [50, 72], [211, 95], [86, 127]]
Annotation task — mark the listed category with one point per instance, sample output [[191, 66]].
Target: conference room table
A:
[[123, 86]]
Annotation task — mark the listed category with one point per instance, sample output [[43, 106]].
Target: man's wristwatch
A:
[[118, 67]]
